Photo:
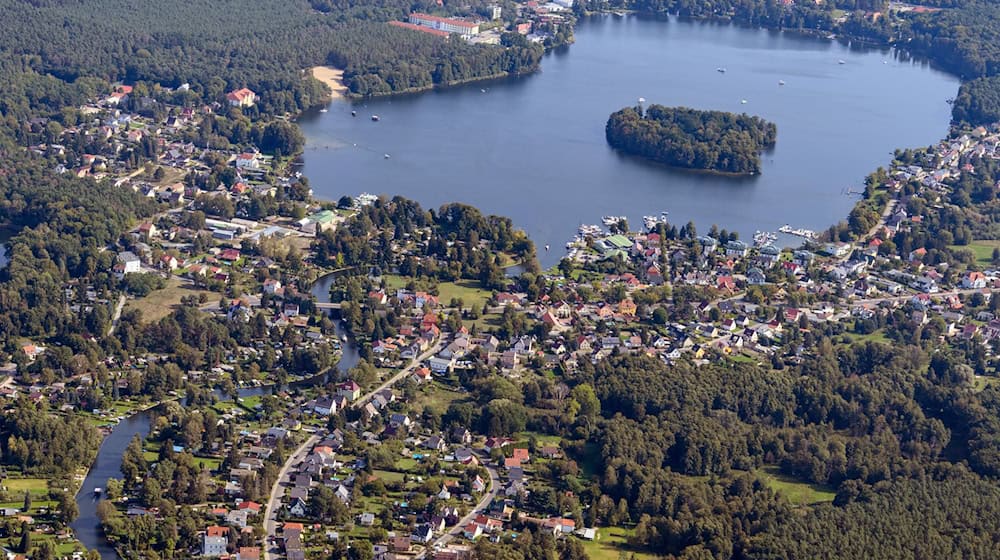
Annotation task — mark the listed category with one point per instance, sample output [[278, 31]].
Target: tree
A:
[[586, 397], [68, 509], [25, 545], [27, 501]]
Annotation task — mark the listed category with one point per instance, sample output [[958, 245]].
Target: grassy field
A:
[[980, 382], [797, 492], [469, 291], [389, 476], [982, 248], [877, 336], [17, 486], [161, 303], [610, 544]]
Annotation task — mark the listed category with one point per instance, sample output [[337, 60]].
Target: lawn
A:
[[982, 248], [160, 303], [796, 491], [877, 336], [439, 397], [17, 486], [980, 382], [469, 291], [389, 476], [610, 545]]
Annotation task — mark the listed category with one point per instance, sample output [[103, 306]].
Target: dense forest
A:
[[693, 139], [891, 429]]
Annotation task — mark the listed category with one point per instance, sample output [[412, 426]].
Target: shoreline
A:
[[333, 78]]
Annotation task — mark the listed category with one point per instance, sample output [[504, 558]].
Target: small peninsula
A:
[[692, 139]]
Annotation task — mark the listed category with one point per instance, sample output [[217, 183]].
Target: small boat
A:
[[885, 62], [375, 118], [781, 82], [546, 247], [612, 220], [841, 62], [743, 101], [343, 337], [97, 491], [720, 70], [323, 110], [354, 113], [386, 156], [483, 90]]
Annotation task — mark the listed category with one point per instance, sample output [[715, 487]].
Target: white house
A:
[[128, 263], [248, 160], [215, 541]]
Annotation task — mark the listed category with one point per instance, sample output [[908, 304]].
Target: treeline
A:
[[978, 101], [370, 54], [689, 138]]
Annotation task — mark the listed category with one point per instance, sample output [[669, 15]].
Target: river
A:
[[108, 462], [533, 148]]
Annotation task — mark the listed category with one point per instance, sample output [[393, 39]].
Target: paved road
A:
[[271, 513], [117, 315], [480, 508], [936, 295], [401, 375]]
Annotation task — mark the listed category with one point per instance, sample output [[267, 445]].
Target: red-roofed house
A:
[[241, 98]]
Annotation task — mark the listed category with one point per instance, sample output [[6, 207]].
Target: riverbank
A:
[[333, 78]]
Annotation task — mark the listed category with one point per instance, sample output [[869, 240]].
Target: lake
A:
[[533, 148]]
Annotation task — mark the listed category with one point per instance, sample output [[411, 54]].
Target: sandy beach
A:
[[332, 77]]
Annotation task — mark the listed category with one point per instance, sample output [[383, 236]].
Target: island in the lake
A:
[[683, 137]]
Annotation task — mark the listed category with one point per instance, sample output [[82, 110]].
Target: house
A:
[[248, 160], [461, 435], [215, 541], [973, 279], [128, 263], [148, 230], [550, 452], [325, 406], [627, 308], [478, 485], [422, 375], [248, 553], [755, 277], [803, 258], [298, 507], [366, 519], [169, 262], [422, 533], [466, 456], [242, 97], [350, 390], [401, 544], [272, 287], [435, 443], [736, 248], [472, 531], [400, 420], [440, 365]]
